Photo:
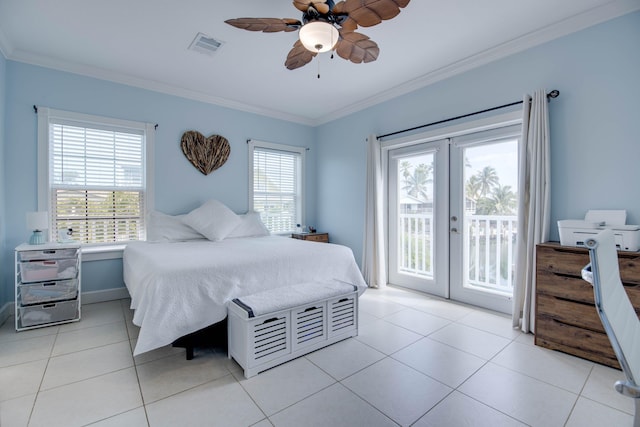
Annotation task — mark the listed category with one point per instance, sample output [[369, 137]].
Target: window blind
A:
[[276, 188], [97, 184]]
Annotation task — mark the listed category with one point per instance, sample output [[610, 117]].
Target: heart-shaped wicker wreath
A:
[[206, 154]]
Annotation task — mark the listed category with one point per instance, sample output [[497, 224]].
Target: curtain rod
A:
[[553, 94]]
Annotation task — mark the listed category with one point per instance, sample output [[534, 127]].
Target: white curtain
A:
[[373, 258], [533, 205]]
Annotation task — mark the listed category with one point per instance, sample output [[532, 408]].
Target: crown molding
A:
[[562, 28], [128, 80]]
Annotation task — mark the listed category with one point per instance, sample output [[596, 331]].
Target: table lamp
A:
[[37, 221]]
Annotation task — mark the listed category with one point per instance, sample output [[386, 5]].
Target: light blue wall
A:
[[595, 149], [595, 154], [179, 187], [4, 266]]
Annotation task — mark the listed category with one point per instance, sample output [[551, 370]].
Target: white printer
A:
[[574, 232]]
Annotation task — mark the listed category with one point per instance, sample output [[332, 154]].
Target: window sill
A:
[[99, 253]]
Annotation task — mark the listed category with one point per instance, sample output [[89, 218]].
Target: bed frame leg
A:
[[215, 334]]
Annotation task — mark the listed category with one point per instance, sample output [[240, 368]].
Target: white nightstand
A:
[[47, 284]]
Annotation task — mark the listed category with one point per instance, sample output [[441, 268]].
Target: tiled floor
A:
[[418, 361]]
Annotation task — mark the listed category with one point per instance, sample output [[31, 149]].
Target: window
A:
[[275, 184], [93, 176]]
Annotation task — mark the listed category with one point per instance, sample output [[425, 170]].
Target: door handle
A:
[[454, 230]]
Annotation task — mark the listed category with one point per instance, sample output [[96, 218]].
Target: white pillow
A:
[[213, 220], [250, 226], [167, 228]]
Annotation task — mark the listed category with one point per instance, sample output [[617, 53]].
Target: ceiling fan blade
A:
[[303, 5], [368, 13], [266, 25], [298, 56], [357, 47]]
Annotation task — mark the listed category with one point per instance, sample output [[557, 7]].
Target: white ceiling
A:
[[144, 43]]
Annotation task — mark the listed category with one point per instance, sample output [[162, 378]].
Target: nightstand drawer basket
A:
[[42, 292], [42, 314]]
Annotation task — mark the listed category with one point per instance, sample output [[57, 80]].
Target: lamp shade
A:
[[318, 36], [37, 220]]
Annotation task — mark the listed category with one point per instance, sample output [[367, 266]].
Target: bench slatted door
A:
[[270, 338], [309, 325], [342, 315]]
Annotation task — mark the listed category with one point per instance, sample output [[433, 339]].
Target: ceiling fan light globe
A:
[[318, 36]]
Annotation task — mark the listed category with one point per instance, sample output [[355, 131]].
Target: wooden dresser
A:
[[566, 317]]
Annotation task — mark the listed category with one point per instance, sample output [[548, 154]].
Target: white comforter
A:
[[180, 287]]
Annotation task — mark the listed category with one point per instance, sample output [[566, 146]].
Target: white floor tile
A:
[[526, 399], [96, 314], [588, 413], [218, 403], [400, 392], [171, 375], [27, 350], [553, 367], [528, 339], [87, 401], [334, 406], [495, 323], [16, 412], [417, 321], [441, 308], [386, 337], [22, 379], [440, 361], [134, 418], [8, 331], [392, 365], [263, 423], [474, 341], [86, 364], [460, 410], [85, 338], [344, 358], [284, 385], [599, 387], [376, 306]]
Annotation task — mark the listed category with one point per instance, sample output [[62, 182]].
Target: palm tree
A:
[[472, 188], [504, 200], [488, 178], [416, 183]]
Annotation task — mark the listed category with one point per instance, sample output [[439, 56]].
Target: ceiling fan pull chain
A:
[[318, 56]]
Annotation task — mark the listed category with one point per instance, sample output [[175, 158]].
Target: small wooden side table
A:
[[314, 237]]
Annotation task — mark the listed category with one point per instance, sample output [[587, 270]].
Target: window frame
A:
[[283, 148], [91, 252]]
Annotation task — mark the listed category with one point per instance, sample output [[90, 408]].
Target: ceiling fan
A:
[[328, 26]]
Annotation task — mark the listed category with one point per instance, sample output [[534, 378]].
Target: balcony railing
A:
[[489, 249]]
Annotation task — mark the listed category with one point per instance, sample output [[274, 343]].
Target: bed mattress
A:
[[178, 288]]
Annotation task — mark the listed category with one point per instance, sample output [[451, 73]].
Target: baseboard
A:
[[104, 295]]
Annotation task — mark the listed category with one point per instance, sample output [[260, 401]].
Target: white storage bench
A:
[[278, 325]]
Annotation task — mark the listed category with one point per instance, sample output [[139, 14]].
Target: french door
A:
[[453, 218], [418, 212]]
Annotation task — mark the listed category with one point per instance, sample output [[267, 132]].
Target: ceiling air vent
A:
[[205, 44]]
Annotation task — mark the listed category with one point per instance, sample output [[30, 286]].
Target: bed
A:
[[178, 288]]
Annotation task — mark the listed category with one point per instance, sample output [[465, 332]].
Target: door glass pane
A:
[[415, 224], [490, 219]]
